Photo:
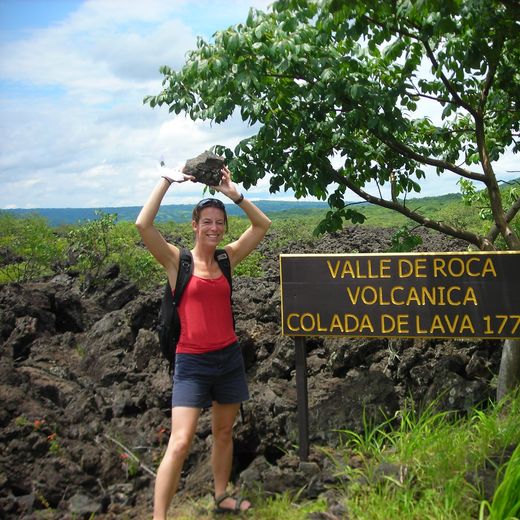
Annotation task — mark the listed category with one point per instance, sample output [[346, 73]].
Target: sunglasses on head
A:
[[215, 203]]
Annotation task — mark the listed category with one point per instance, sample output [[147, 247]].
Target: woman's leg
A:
[[184, 425], [222, 420]]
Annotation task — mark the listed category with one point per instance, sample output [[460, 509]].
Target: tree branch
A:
[[487, 86], [510, 215], [490, 77], [472, 238], [419, 93], [426, 96], [405, 150], [447, 83]]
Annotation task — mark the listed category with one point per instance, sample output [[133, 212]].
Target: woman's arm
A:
[[166, 254], [260, 223]]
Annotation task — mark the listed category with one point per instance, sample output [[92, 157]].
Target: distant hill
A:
[[273, 208], [176, 212]]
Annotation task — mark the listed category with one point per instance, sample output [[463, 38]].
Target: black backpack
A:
[[169, 323]]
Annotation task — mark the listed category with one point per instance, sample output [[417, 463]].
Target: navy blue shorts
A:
[[217, 376]]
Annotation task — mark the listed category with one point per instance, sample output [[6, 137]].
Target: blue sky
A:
[[73, 74]]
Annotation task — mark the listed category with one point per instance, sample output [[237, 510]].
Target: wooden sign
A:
[[408, 295]]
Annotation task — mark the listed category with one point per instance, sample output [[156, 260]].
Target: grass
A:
[[506, 502], [417, 465], [280, 507], [432, 454]]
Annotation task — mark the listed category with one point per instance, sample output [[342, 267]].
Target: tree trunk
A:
[[509, 374]]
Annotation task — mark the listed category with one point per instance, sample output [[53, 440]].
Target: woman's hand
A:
[[173, 174], [226, 186]]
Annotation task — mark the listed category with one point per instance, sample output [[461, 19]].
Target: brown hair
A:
[[209, 203]]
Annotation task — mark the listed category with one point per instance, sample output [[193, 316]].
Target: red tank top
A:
[[206, 316]]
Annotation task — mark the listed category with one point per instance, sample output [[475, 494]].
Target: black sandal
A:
[[230, 510]]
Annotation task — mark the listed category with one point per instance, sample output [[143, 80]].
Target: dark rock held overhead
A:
[[206, 168]]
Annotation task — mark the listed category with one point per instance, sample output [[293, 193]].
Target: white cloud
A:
[[71, 113], [96, 57], [74, 130], [92, 142]]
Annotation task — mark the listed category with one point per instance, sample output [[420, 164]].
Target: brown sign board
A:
[[406, 295]]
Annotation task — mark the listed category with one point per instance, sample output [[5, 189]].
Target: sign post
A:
[[302, 397], [396, 295]]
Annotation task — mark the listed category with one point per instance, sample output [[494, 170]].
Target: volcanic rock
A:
[[206, 168]]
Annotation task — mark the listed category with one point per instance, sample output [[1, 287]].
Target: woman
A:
[[209, 369]]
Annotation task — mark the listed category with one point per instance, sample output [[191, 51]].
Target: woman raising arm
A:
[[209, 368]]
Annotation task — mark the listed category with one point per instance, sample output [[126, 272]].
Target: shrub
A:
[[29, 248], [90, 246]]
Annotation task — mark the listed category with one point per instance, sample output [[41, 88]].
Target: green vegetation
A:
[[434, 461], [506, 503], [416, 465], [323, 79], [91, 246], [30, 248]]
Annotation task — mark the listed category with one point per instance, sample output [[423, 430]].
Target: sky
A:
[[73, 129], [73, 74]]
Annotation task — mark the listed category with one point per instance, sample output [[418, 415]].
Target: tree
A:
[[334, 92]]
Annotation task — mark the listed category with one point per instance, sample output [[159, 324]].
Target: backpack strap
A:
[[170, 326], [183, 275], [222, 258]]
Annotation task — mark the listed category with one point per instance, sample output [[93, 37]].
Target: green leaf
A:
[[354, 79]]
